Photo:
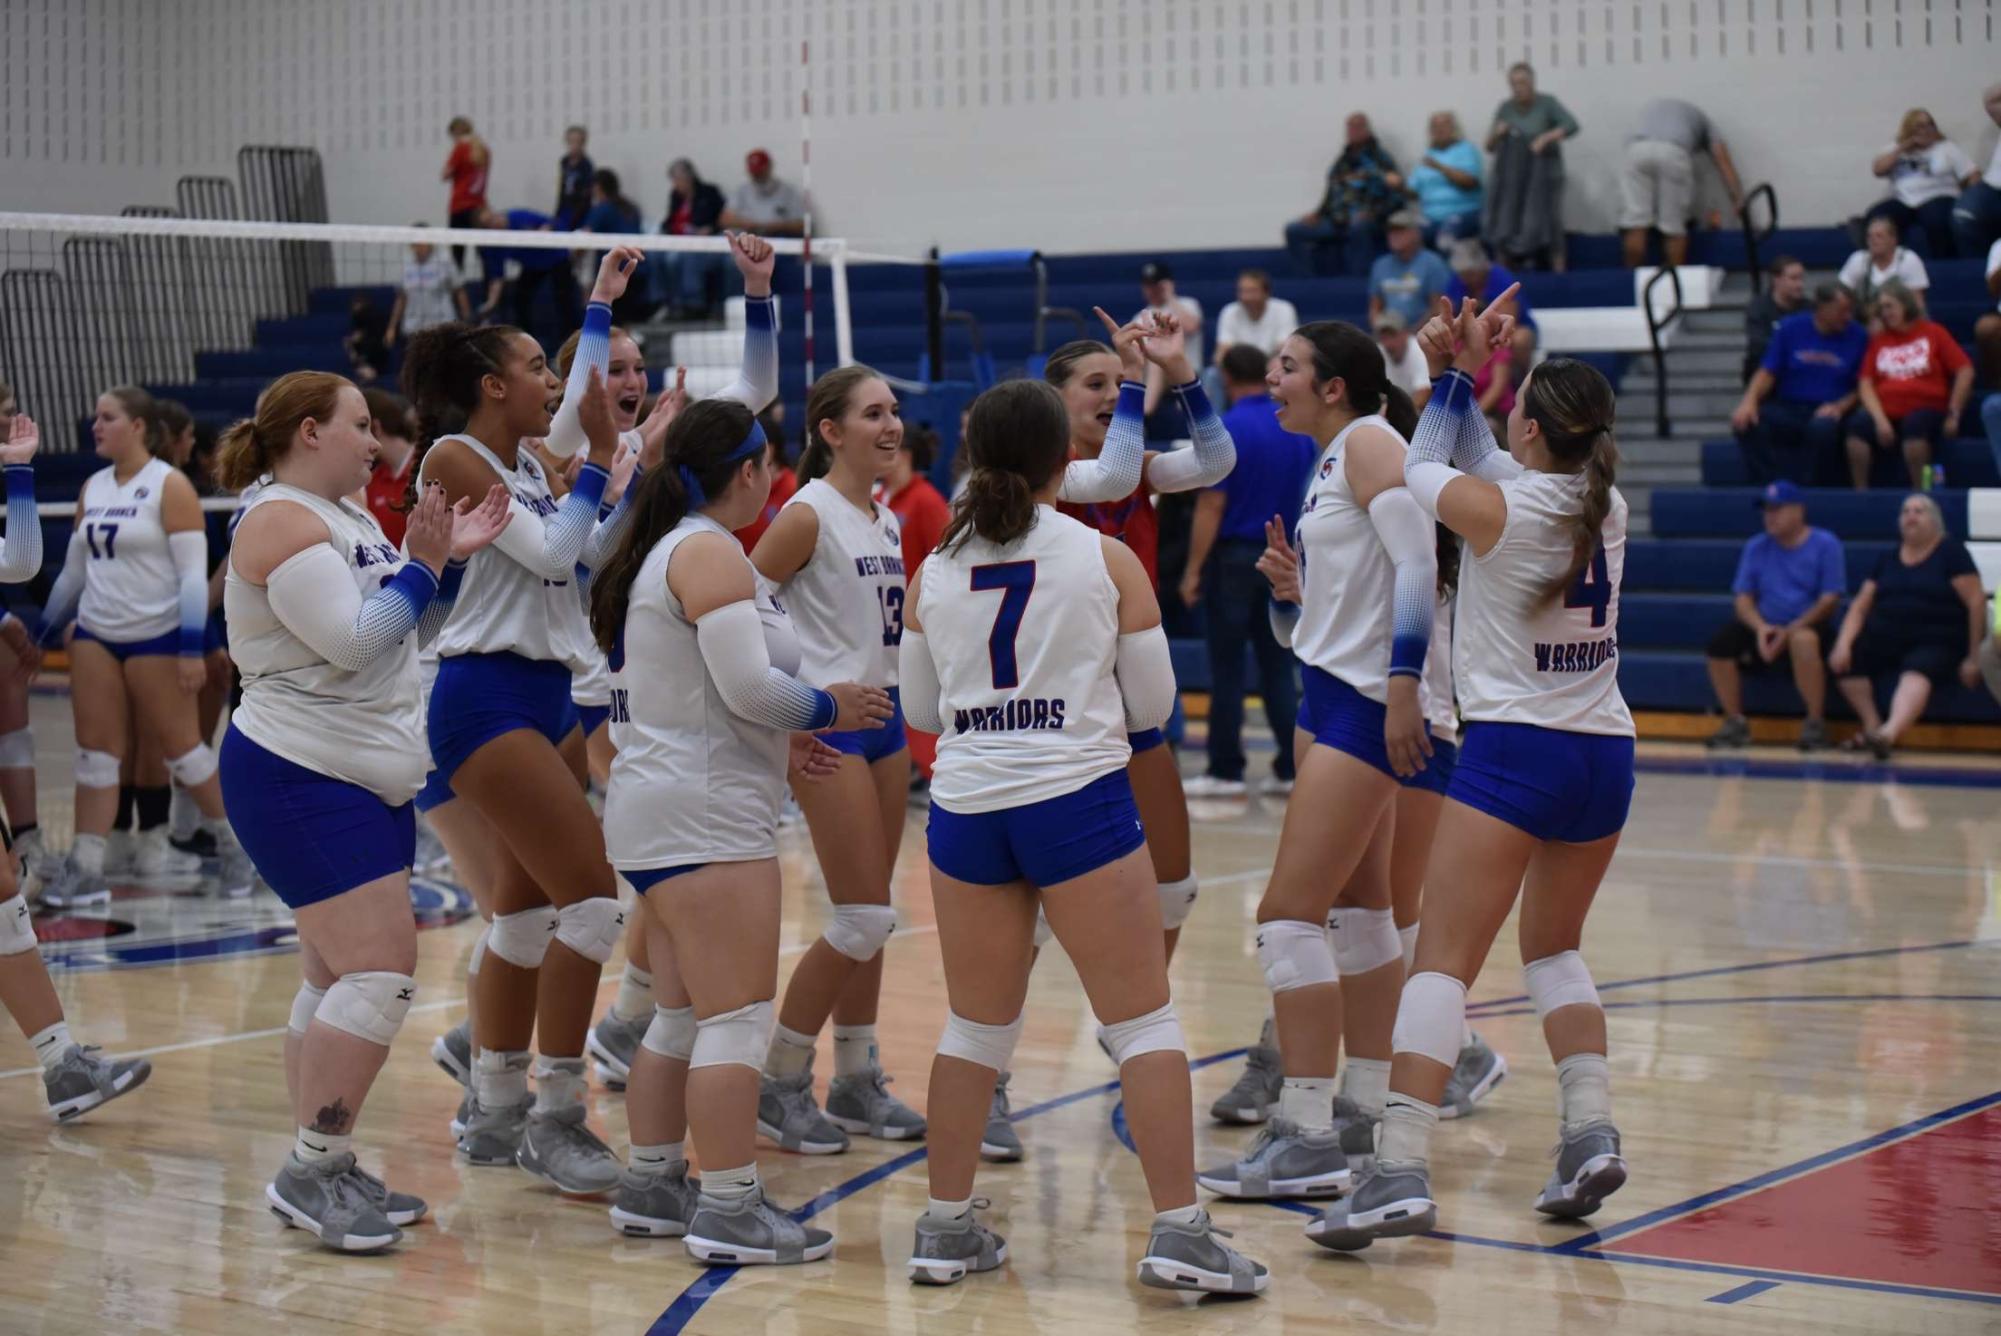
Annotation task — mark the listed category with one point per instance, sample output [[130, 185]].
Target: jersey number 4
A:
[[92, 533], [1016, 581], [1592, 589]]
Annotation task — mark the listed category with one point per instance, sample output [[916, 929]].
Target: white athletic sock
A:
[[499, 1080], [791, 1052], [559, 1084], [312, 1147], [1307, 1102], [730, 1186], [655, 1159], [218, 826], [1584, 1089], [854, 1049], [183, 814], [935, 1209], [635, 995], [51, 1044], [1409, 939], [1180, 1215], [1367, 1082], [1405, 1136], [87, 852]]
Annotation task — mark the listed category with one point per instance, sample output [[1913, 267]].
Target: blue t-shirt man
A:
[[1786, 581], [1810, 366], [531, 259], [1436, 195], [1499, 277], [1410, 287], [1272, 470]]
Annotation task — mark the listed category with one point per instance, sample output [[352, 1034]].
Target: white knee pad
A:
[[370, 1004], [1044, 934], [305, 1005], [193, 766], [479, 949], [672, 1033], [17, 749], [1295, 954], [96, 769], [1177, 901], [859, 932], [592, 927], [17, 926], [1557, 981], [523, 939], [990, 1046], [739, 1038], [1431, 1018], [1364, 939], [1156, 1032]]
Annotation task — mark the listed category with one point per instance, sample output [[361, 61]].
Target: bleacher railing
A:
[[1657, 321], [1754, 235]]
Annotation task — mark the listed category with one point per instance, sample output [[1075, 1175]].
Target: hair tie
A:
[[697, 498]]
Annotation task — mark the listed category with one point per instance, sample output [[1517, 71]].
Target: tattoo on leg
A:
[[334, 1120]]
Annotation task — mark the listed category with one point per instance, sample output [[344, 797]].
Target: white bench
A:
[[1623, 329]]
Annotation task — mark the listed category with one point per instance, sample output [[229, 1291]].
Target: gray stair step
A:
[[1682, 379]]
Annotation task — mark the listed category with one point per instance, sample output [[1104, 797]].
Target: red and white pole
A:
[[806, 182]]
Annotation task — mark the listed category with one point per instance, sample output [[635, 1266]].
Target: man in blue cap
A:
[[1789, 583]]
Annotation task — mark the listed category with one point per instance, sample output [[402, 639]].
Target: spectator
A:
[[466, 168], [683, 279], [1789, 583], [1164, 418], [1255, 318], [1976, 219], [1227, 538], [1785, 295], [1658, 183], [1789, 419], [1918, 615], [1881, 260], [1927, 172], [611, 211], [765, 204], [1474, 273], [367, 339], [1987, 329], [1915, 382], [1446, 184], [534, 266], [1407, 279], [430, 294], [394, 426], [784, 480], [1494, 390], [1408, 370], [1343, 232], [574, 171], [1524, 219]]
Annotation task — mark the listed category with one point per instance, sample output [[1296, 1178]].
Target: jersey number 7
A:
[[1016, 581], [1592, 589]]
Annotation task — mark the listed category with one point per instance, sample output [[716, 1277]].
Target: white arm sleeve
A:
[[21, 555], [1121, 465], [566, 433], [552, 550], [731, 639], [189, 550], [1146, 678], [1214, 455], [1409, 537], [917, 675], [1284, 619], [68, 588], [756, 384], [314, 595]]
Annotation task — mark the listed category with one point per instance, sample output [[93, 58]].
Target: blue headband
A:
[[751, 444]]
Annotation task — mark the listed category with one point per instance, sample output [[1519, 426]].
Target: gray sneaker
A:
[[235, 877], [82, 1081], [789, 1115], [1478, 1071], [1735, 732], [753, 1232], [1251, 1099], [72, 889], [325, 1200], [398, 1208], [1813, 735], [1357, 1131], [560, 1149], [1284, 1161], [946, 1250], [999, 1142], [614, 1043], [452, 1051], [1390, 1202], [1190, 1257], [464, 1115], [493, 1136], [862, 1106], [1588, 1170], [39, 867], [655, 1205]]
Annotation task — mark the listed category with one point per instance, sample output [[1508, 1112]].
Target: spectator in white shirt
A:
[[1255, 318], [431, 294], [1987, 329], [1165, 420], [1976, 219], [1404, 359], [765, 204], [1926, 172], [1880, 261]]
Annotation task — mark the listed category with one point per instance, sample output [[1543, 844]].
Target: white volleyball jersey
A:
[[503, 606], [1435, 688], [364, 727], [592, 686], [693, 782], [1523, 657], [1026, 640], [847, 600], [131, 589], [1347, 580]]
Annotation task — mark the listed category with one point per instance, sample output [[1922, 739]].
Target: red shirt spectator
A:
[[466, 168], [386, 490], [783, 484], [923, 512], [1913, 367]]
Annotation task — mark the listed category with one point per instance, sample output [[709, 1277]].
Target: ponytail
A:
[[248, 449], [443, 368], [1573, 406], [1018, 438]]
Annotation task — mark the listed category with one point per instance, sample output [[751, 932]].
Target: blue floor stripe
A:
[[1742, 1292], [1777, 1000], [1828, 772]]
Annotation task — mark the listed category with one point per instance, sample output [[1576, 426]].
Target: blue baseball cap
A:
[[1780, 493]]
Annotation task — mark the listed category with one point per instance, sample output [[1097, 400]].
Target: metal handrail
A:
[[1753, 236], [1655, 324]]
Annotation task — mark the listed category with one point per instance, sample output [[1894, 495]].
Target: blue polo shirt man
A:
[[1789, 422]]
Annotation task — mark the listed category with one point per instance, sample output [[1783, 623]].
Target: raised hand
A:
[[474, 526], [667, 406], [1438, 341], [22, 441], [1128, 341], [1167, 347], [620, 263], [599, 418], [427, 534], [755, 260], [1280, 562], [624, 464]]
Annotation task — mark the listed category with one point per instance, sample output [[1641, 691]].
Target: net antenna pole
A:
[[806, 185]]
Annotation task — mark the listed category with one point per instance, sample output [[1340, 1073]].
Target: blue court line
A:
[[1742, 1292], [1771, 1000], [690, 1300]]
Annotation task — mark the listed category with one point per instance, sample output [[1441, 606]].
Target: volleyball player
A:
[[498, 709], [35, 864], [136, 581], [1368, 599], [74, 1078], [323, 611], [704, 702], [1033, 647], [1545, 778], [835, 556]]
